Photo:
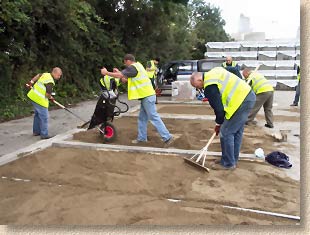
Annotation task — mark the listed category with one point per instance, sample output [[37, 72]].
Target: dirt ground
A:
[[75, 186], [191, 134]]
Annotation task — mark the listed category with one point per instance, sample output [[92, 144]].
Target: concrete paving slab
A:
[[168, 151], [177, 116], [35, 147]]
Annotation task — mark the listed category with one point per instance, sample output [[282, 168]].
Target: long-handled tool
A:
[[249, 80], [63, 107], [201, 154]]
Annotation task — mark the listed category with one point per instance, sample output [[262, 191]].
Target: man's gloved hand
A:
[[217, 129], [29, 84], [51, 99]]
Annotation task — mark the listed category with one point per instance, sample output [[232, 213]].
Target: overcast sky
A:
[[277, 18]]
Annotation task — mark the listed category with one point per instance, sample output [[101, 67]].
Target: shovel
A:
[[195, 160], [249, 80], [63, 107]]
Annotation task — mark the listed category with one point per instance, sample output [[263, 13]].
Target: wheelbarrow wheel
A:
[[109, 132]]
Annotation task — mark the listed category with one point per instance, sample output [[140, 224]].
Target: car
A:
[[181, 70]]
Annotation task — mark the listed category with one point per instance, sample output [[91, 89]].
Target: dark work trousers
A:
[[297, 94], [264, 99]]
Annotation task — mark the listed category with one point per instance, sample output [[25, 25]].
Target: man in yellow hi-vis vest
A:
[[232, 99], [140, 88], [109, 83], [41, 92], [264, 96], [231, 66], [151, 68], [297, 93]]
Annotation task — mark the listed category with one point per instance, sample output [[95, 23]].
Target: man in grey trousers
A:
[[264, 96]]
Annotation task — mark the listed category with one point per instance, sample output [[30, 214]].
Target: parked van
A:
[[181, 70]]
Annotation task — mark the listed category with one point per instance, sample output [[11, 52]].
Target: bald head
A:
[[228, 60], [56, 73], [246, 73], [197, 80]]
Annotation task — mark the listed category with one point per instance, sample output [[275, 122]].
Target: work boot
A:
[[251, 123], [170, 141], [268, 125], [294, 104], [35, 134], [47, 137], [218, 166], [137, 141]]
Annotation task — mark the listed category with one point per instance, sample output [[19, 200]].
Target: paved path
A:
[[17, 134]]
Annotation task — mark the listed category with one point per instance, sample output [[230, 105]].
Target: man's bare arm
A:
[[35, 78], [116, 74]]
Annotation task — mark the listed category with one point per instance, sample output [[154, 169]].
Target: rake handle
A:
[[210, 141], [205, 148]]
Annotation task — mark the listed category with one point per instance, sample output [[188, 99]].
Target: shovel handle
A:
[[59, 104], [257, 67]]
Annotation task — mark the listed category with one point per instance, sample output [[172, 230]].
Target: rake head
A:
[[196, 164]]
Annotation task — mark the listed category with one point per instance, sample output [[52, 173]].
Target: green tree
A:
[[207, 25], [81, 36]]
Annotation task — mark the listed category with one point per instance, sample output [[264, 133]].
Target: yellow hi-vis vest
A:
[[298, 76], [140, 86], [153, 68], [37, 93], [233, 90], [106, 81], [233, 64], [259, 83]]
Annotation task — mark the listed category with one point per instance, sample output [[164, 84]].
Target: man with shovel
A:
[[40, 93], [232, 100], [140, 87], [264, 96]]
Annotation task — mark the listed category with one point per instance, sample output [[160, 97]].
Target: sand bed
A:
[[279, 118], [205, 109], [192, 134], [74, 186], [186, 109]]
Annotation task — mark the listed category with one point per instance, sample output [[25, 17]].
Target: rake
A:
[[202, 154]]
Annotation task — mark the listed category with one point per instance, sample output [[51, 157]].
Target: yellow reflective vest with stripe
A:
[[233, 90], [140, 86], [106, 81], [152, 71], [259, 83], [37, 93], [233, 64], [298, 76]]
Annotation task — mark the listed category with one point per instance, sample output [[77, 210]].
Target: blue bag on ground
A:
[[278, 159]]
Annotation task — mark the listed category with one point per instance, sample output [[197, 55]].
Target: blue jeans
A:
[[40, 120], [231, 132], [148, 112], [297, 94]]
